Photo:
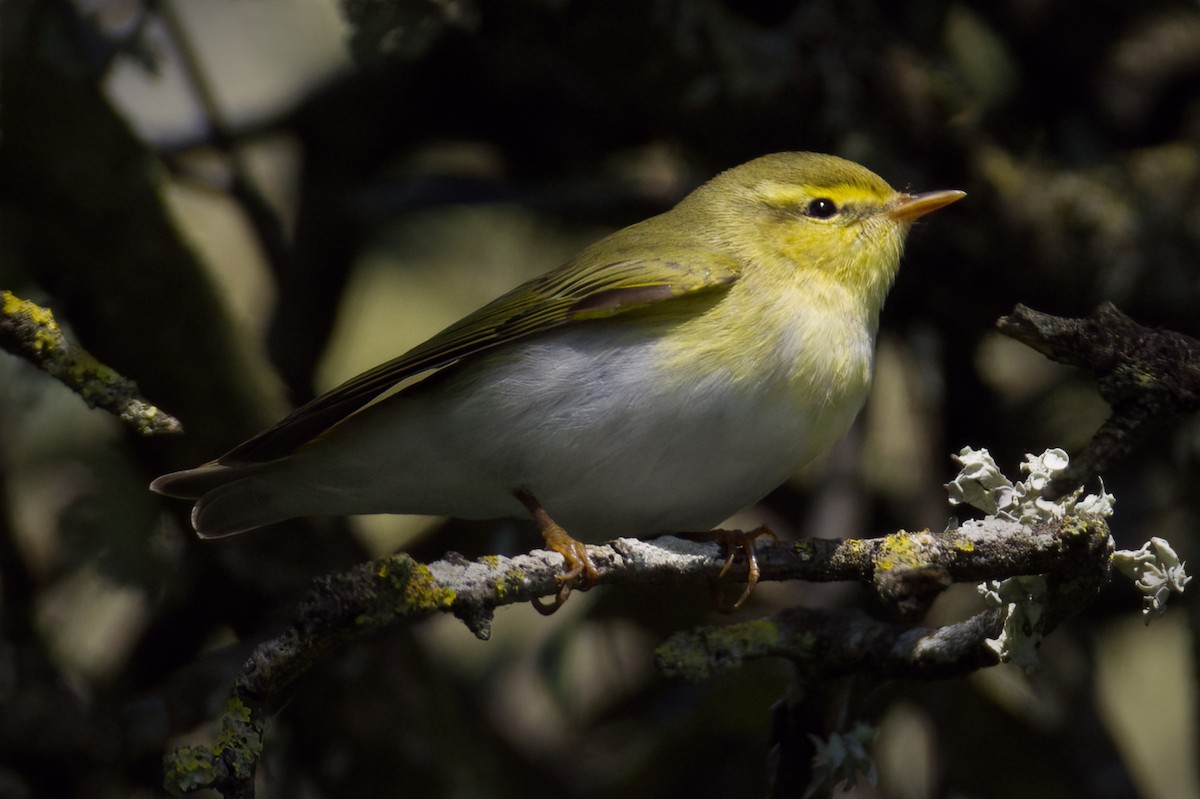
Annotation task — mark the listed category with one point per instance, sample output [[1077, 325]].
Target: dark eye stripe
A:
[[821, 208]]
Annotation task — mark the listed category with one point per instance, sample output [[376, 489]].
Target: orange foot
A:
[[733, 541], [581, 572]]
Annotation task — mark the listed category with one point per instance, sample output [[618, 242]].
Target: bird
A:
[[666, 377]]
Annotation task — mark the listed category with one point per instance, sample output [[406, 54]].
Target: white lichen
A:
[[842, 758], [1024, 601], [1156, 571], [982, 485]]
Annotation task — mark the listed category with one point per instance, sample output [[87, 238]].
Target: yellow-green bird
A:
[[666, 377]]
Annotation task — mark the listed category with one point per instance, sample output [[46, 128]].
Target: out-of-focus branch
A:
[[29, 330], [904, 567], [1149, 377]]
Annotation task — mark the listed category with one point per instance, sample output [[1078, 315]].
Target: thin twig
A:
[[29, 330]]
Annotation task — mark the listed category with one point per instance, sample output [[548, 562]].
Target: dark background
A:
[[237, 204]]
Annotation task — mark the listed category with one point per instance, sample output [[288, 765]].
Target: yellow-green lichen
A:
[[852, 553], [84, 369], [49, 334], [240, 740], [188, 769], [237, 710], [902, 550], [424, 592], [238, 747], [408, 587], [698, 654], [751, 637], [854, 547], [512, 580], [804, 548], [1075, 527], [491, 561], [74, 366]]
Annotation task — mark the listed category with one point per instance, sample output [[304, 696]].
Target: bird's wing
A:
[[583, 289]]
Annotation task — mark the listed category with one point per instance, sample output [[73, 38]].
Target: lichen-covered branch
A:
[[833, 642], [29, 330], [1149, 377], [905, 567]]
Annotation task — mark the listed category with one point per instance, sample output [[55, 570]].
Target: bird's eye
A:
[[821, 208]]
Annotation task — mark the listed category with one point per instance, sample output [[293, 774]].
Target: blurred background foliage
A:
[[238, 204]]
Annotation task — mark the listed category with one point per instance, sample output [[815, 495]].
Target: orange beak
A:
[[910, 207]]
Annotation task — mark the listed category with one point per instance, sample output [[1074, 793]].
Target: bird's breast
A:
[[802, 346]]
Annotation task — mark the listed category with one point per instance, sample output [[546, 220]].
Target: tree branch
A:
[[904, 567], [29, 330], [835, 642], [1149, 377]]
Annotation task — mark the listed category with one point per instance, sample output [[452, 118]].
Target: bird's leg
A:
[[581, 572], [733, 541]]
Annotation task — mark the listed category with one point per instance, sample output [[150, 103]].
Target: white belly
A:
[[607, 445]]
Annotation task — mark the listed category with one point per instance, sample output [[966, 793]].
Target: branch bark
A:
[[904, 567]]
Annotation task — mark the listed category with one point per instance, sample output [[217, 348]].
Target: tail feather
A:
[[229, 499], [237, 507], [195, 483]]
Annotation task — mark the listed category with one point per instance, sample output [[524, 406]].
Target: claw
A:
[[581, 573], [733, 541]]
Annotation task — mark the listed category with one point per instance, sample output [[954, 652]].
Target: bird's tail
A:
[[229, 498]]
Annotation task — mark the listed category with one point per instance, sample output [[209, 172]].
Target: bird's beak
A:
[[910, 207]]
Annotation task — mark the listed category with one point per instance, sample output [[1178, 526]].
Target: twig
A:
[[1149, 378], [29, 330]]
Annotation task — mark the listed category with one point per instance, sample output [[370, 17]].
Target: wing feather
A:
[[586, 288]]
